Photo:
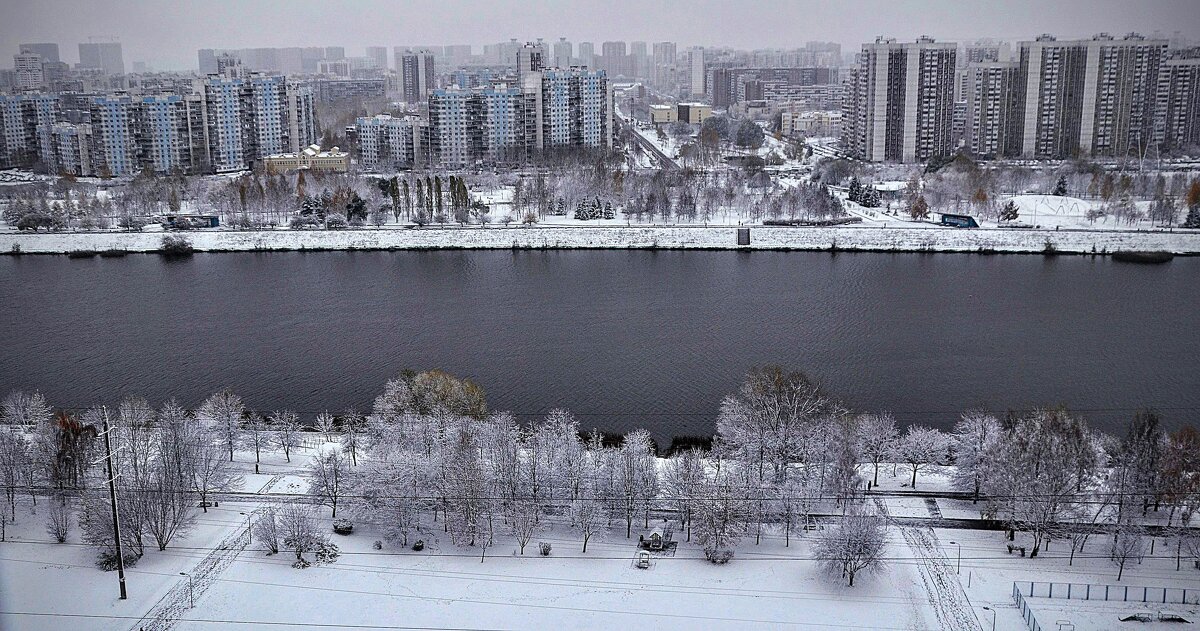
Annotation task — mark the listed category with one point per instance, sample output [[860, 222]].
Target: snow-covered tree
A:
[[763, 424], [683, 474], [299, 531], [856, 544], [1128, 544], [287, 431], [877, 439], [524, 518], [325, 423], [221, 414], [919, 447], [587, 515], [211, 472], [720, 517], [329, 478], [256, 436], [266, 529], [974, 438]]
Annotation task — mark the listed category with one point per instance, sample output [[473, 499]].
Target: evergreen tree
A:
[[1060, 189], [1009, 212], [1193, 218], [854, 192]]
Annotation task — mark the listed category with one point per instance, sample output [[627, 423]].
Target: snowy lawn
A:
[[990, 572], [765, 586], [40, 576]]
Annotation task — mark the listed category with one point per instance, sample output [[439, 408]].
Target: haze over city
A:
[[165, 34]]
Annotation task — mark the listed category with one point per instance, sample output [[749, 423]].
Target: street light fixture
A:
[[191, 591], [958, 566], [249, 534], [993, 616]]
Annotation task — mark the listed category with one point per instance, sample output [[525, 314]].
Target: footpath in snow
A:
[[855, 238]]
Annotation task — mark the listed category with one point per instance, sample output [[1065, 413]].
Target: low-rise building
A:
[[312, 159], [663, 114], [694, 113]]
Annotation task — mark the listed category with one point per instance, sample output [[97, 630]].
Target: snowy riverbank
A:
[[861, 238]]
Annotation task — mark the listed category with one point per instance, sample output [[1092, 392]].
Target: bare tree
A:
[[287, 432], [974, 437], [1129, 543], [855, 545], [58, 518], [325, 424], [919, 447], [211, 471], [298, 530], [266, 529], [256, 436], [328, 478], [587, 514], [524, 519], [877, 439], [221, 414]]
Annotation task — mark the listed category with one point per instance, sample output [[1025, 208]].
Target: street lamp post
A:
[[958, 565], [191, 590], [993, 616], [249, 533]]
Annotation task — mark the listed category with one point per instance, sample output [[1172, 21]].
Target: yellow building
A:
[[312, 159], [694, 113], [662, 114]]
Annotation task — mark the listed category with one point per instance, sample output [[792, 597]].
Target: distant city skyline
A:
[[168, 37]]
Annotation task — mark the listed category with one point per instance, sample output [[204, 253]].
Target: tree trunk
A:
[[914, 478]]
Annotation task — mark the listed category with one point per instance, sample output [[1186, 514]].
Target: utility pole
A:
[[112, 494]]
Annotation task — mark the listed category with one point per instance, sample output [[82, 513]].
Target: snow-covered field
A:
[[865, 237]]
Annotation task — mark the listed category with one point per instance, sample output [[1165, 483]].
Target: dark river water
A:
[[622, 339]]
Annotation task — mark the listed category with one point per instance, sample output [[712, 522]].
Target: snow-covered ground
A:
[[927, 238], [933, 578]]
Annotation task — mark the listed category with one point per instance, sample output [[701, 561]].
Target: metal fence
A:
[[1117, 593], [1088, 591], [1026, 613]]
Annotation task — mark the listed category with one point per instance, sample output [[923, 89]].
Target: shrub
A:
[[343, 526], [175, 245], [107, 560], [378, 545], [544, 548], [300, 222], [336, 221], [327, 552], [419, 545], [719, 556]]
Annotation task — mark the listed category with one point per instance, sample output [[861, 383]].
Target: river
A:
[[620, 338]]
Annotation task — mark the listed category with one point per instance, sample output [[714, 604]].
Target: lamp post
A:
[[191, 590], [249, 535], [958, 566], [993, 616]]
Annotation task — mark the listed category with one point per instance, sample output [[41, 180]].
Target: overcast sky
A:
[[167, 33]]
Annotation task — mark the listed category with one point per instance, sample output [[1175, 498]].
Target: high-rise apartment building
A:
[[587, 55], [1091, 97], [663, 63], [562, 53], [48, 51], [900, 101], [696, 73], [247, 118], [25, 124], [379, 55], [614, 60], [106, 56], [416, 75], [70, 149], [639, 60], [386, 143], [27, 71], [114, 136], [1179, 103], [991, 127]]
